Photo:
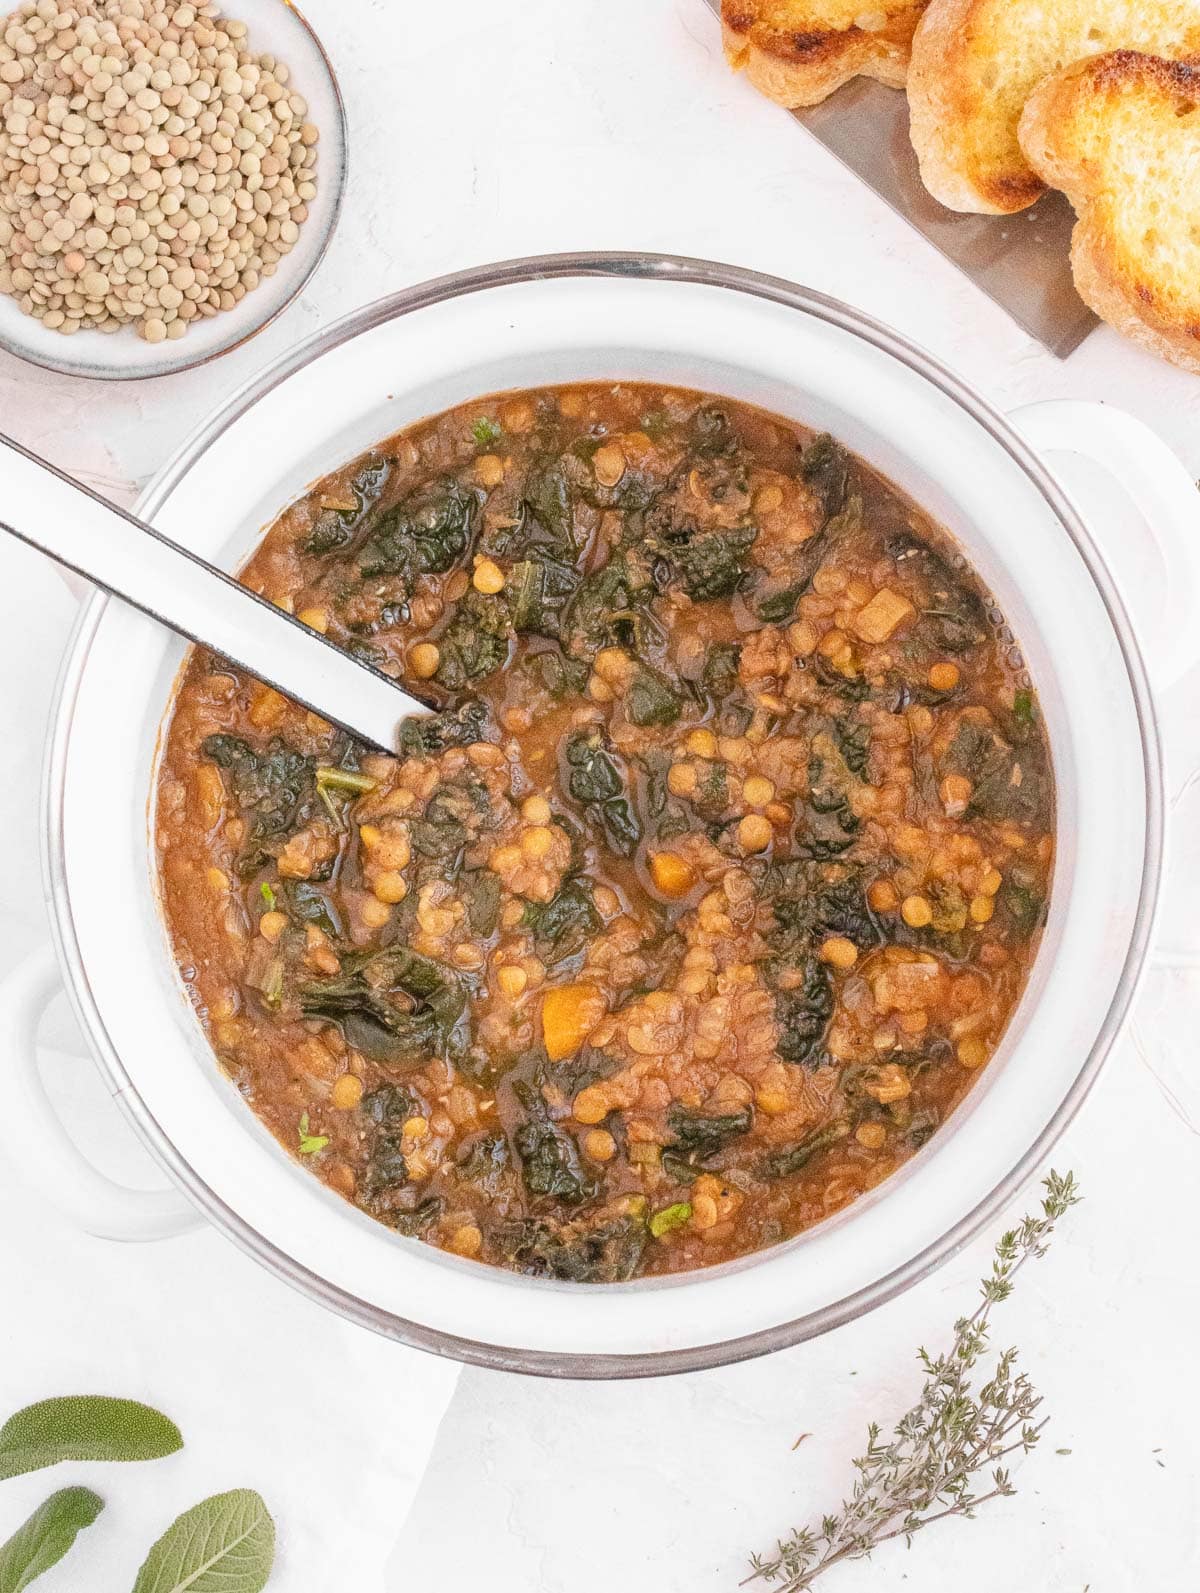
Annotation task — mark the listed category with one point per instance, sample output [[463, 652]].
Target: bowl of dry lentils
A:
[[170, 177]]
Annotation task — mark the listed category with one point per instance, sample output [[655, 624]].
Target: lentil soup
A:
[[702, 897]]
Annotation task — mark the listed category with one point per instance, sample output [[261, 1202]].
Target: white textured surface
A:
[[479, 132]]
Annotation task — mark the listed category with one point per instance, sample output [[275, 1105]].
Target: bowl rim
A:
[[651, 267], [337, 176]]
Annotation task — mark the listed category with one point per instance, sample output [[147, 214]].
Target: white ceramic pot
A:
[[752, 338]]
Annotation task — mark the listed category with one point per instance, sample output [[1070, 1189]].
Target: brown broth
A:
[[707, 897]]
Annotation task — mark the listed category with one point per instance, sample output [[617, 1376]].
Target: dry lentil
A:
[[104, 240]]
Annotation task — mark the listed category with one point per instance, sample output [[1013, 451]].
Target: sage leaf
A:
[[84, 1427], [43, 1540], [225, 1544]]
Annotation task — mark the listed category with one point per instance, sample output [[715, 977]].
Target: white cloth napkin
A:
[[330, 1423]]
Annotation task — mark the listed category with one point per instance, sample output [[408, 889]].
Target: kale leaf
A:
[[596, 779], [563, 927], [594, 776], [705, 561], [557, 674], [825, 470], [777, 604], [711, 796], [414, 1221], [604, 601], [809, 908], [386, 1110], [832, 825], [539, 589], [548, 497], [711, 564], [782, 1163], [698, 1138], [953, 615], [1008, 783], [481, 891], [543, 523], [854, 743], [389, 1106], [276, 787], [712, 435], [427, 533], [386, 1168], [426, 735], [720, 677], [334, 528], [777, 598], [803, 1015], [650, 699], [475, 642], [550, 1161], [485, 1163], [308, 905], [453, 816], [1024, 906], [606, 1252], [394, 1006]]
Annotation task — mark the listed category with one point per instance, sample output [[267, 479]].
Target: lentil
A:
[[347, 1092]]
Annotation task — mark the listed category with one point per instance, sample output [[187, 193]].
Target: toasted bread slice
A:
[[797, 52], [976, 62], [1120, 135]]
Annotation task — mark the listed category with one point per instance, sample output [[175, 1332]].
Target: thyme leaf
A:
[[945, 1456]]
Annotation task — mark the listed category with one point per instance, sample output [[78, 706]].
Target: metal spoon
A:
[[83, 531]]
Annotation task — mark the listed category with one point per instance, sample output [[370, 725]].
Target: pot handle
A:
[[44, 1151], [1158, 572]]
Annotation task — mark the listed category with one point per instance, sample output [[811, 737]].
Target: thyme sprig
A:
[[950, 1439]]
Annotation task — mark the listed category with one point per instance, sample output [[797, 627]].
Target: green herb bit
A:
[[1023, 710], [310, 1144], [268, 896], [345, 780], [486, 432], [342, 782], [670, 1217], [953, 1434]]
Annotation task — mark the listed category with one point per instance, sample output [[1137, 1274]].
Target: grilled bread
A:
[[976, 62], [797, 52], [1120, 135]]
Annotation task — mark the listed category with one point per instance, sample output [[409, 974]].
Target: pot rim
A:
[[652, 267]]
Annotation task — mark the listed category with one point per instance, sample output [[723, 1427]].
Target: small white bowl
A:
[[275, 28]]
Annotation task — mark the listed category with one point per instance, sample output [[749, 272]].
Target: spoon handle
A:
[[79, 529]]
